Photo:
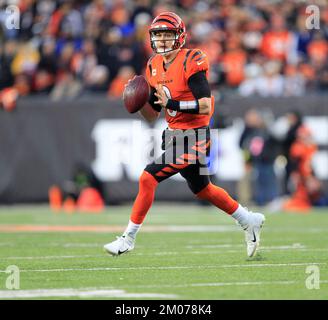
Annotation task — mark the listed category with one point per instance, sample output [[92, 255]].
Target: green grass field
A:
[[182, 252]]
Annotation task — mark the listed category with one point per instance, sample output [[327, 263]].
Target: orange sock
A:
[[145, 197], [218, 197]]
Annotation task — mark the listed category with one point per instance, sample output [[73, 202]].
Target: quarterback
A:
[[179, 85]]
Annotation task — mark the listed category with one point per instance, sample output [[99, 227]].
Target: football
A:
[[136, 94]]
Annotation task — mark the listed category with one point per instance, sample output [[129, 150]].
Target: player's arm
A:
[[200, 89], [150, 111]]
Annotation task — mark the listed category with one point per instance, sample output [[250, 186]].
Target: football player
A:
[[179, 85]]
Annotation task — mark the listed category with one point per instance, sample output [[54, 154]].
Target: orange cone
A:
[[69, 205], [90, 200], [55, 198]]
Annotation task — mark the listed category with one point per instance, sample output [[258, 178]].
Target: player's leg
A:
[[142, 203], [153, 174], [202, 187], [251, 222]]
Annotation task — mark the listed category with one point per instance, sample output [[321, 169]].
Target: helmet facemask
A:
[[164, 45]]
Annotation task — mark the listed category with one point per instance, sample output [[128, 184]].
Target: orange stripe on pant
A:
[[169, 170], [179, 166], [161, 174]]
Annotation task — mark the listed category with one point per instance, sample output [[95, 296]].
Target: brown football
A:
[[136, 94]]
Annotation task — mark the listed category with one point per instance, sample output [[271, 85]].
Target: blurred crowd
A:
[[255, 47], [287, 143]]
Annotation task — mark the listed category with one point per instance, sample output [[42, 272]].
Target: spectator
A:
[[7, 54], [303, 37], [260, 149], [66, 83], [26, 59], [294, 81], [53, 28], [272, 82], [306, 186], [23, 67], [234, 60], [318, 50], [253, 71], [94, 15], [294, 120], [117, 87], [264, 82], [85, 66], [276, 42], [108, 51], [46, 71], [243, 40]]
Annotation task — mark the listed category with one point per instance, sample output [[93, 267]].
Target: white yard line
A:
[[26, 228], [222, 284], [250, 265], [81, 293]]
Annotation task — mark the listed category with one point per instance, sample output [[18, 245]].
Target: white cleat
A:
[[121, 245], [252, 232]]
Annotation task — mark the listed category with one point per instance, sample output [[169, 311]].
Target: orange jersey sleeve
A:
[[196, 61]]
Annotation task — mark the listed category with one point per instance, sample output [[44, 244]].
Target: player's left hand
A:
[[161, 95]]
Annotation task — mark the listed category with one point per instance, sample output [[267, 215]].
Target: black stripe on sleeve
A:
[[201, 57], [185, 60], [197, 53], [149, 64]]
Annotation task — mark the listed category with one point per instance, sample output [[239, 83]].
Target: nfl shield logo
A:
[[153, 73]]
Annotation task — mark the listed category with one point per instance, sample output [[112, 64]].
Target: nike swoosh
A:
[[200, 62], [254, 240], [120, 252]]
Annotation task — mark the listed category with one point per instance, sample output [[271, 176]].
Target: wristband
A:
[[183, 106]]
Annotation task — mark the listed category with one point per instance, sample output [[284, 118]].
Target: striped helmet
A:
[[168, 21]]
